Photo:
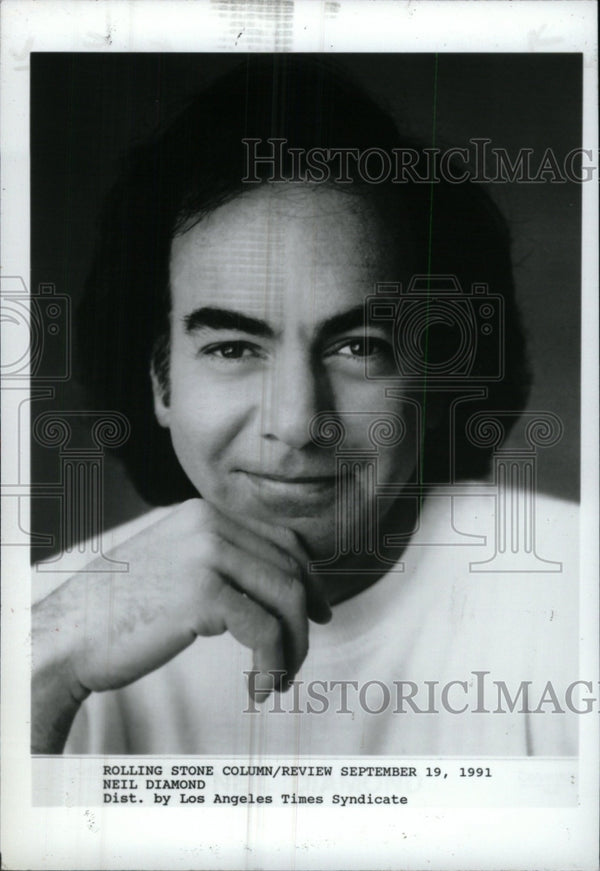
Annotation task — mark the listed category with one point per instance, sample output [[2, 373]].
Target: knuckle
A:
[[207, 519], [193, 507], [199, 511], [211, 547], [189, 514]]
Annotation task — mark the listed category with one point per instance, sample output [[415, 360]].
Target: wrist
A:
[[56, 692]]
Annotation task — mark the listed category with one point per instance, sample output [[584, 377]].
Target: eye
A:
[[355, 356], [360, 348], [234, 352]]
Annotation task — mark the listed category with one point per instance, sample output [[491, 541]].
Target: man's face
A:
[[267, 331]]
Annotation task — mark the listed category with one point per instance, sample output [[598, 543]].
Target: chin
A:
[[312, 518], [316, 529], [318, 535]]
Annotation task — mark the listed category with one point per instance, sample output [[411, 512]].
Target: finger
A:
[[251, 533], [259, 630], [318, 609], [260, 547], [282, 594]]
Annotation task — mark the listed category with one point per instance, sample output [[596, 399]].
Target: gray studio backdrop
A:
[[87, 108]]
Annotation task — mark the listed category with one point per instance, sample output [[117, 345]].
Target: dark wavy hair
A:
[[196, 163]]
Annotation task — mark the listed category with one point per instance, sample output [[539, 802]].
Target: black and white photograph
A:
[[304, 328], [303, 460]]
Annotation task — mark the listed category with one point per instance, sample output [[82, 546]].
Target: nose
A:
[[296, 392]]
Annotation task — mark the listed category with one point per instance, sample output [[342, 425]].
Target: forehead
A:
[[283, 248]]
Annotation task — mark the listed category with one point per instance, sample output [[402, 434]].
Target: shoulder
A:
[[502, 570], [521, 521]]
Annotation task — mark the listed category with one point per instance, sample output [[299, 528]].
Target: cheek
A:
[[205, 419], [388, 427]]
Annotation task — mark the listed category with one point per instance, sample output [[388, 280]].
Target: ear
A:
[[161, 407]]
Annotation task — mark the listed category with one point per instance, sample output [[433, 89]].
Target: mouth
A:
[[292, 479], [291, 494]]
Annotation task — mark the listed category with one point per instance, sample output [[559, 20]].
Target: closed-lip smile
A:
[[292, 495], [293, 479]]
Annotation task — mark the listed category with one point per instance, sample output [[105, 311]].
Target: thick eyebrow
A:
[[348, 320], [224, 319]]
